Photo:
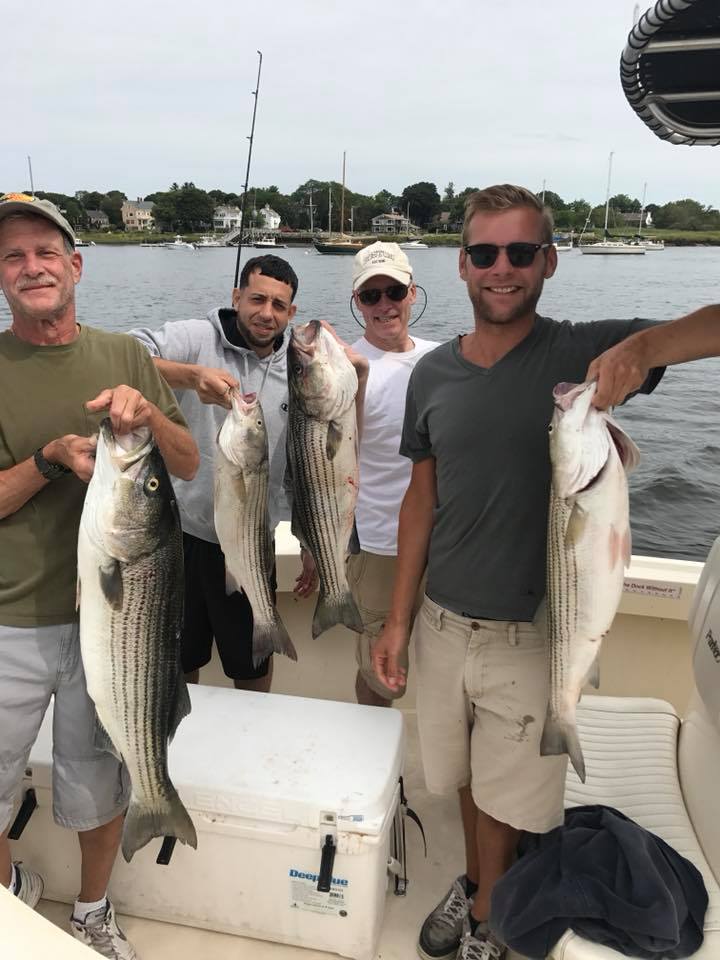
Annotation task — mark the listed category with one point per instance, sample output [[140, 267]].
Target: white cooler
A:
[[274, 785]]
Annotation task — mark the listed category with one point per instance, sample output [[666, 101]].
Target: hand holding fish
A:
[[307, 580], [127, 408], [214, 386], [76, 453], [386, 656], [619, 371]]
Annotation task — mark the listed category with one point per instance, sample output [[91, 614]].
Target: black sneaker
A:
[[442, 930]]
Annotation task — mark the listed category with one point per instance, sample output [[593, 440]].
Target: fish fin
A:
[[77, 594], [111, 584], [576, 525], [341, 609], [143, 824], [332, 443], [296, 528], [181, 706], [102, 739], [558, 738], [593, 674], [354, 544], [627, 547], [271, 638]]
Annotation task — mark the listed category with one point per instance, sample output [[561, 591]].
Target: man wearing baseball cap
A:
[[59, 380], [384, 292]]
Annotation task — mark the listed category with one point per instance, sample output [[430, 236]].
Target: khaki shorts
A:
[[482, 694], [371, 577], [90, 786]]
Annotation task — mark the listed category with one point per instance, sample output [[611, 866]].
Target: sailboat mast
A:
[[607, 197], [342, 201], [329, 209]]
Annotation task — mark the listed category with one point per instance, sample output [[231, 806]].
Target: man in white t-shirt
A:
[[384, 292]]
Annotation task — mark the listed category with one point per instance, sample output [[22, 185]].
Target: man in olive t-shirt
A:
[[58, 380]]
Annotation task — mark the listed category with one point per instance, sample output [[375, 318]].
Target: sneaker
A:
[[442, 930], [481, 946], [101, 932], [29, 885]]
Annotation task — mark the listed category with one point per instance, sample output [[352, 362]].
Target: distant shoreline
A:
[[674, 238]]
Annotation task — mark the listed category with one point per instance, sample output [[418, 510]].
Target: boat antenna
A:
[[247, 172]]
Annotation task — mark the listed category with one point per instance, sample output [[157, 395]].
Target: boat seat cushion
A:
[[630, 747]]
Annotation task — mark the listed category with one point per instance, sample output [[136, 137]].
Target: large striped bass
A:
[[242, 471], [322, 454], [588, 549], [130, 583]]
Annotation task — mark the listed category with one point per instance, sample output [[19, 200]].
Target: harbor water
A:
[[675, 493]]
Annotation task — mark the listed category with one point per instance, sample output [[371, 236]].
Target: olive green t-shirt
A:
[[43, 391]]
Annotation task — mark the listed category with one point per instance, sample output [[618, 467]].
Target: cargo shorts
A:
[[371, 577], [482, 695], [90, 786]]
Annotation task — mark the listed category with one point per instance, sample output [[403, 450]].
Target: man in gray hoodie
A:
[[202, 360]]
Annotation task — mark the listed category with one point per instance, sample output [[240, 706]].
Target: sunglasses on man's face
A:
[[484, 255], [396, 293]]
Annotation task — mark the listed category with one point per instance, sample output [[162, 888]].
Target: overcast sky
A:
[[136, 95]]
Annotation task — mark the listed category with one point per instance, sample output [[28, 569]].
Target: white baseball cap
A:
[[381, 260]]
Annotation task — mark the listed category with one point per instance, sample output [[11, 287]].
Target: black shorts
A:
[[211, 613]]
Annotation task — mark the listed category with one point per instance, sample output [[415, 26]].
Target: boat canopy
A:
[[670, 70]]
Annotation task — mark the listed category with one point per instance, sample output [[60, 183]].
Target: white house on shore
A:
[[226, 217], [390, 223], [270, 219]]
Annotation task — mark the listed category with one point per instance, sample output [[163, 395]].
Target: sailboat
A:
[[412, 244], [648, 244], [341, 244], [608, 246]]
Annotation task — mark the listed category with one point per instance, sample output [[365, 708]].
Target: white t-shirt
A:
[[384, 473]]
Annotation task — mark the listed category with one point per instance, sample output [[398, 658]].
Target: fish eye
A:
[[297, 368], [258, 423], [152, 484]]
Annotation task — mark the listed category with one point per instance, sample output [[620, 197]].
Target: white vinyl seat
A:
[[631, 754]]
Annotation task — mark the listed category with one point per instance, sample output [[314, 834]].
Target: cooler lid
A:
[[287, 759]]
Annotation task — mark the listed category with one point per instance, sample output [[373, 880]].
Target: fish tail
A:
[[271, 638], [143, 823], [562, 737], [337, 609]]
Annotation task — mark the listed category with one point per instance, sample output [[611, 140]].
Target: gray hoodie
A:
[[204, 342]]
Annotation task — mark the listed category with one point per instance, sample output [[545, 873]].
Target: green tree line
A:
[[189, 208]]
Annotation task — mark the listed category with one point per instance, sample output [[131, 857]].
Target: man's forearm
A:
[[19, 484], [175, 443], [691, 337], [180, 376]]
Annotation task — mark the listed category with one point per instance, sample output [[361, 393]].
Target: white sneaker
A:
[[482, 946], [29, 885], [101, 932]]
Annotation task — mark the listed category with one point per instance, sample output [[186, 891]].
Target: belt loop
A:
[[513, 634]]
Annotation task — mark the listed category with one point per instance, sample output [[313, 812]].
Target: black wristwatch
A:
[[51, 471]]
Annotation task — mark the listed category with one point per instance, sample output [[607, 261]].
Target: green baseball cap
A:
[[11, 203]]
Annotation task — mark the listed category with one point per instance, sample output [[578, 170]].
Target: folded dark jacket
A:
[[605, 877]]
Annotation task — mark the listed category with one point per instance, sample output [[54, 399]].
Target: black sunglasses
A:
[[396, 293], [484, 255]]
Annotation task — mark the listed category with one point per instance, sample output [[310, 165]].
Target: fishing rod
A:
[[247, 173]]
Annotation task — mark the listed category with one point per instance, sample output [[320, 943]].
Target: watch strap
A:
[[51, 471]]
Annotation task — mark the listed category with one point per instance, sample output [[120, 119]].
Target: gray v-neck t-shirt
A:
[[488, 432]]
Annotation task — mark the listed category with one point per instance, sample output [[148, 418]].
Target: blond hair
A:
[[506, 196]]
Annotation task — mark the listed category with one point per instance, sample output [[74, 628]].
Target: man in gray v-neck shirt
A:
[[475, 514]]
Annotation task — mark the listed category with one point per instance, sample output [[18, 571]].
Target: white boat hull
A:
[[612, 249]]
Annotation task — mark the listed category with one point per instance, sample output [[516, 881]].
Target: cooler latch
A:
[[328, 830]]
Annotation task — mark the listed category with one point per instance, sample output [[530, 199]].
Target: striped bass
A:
[[322, 455], [242, 471], [130, 587], [588, 549]]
